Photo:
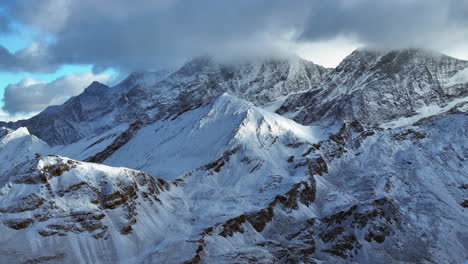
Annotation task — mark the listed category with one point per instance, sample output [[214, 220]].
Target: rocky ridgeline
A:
[[285, 231], [152, 96], [378, 86], [56, 183]]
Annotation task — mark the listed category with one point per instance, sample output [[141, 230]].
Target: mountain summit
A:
[[381, 86], [151, 96]]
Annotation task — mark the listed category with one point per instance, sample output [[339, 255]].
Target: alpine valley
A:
[[272, 160]]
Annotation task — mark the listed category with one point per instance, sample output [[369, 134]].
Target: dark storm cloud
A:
[[145, 34], [35, 58], [4, 24], [389, 24], [6, 58]]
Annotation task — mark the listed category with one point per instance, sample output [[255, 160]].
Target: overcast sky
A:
[[51, 49]]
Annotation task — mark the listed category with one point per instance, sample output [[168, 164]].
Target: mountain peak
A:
[[143, 78], [376, 86], [96, 87], [396, 56], [213, 61], [7, 134], [154, 95]]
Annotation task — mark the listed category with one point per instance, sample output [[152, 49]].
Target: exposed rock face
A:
[[121, 140], [359, 220], [61, 197], [278, 236], [259, 82], [377, 220], [151, 96], [73, 120], [376, 87]]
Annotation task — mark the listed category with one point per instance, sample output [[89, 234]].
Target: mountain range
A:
[[272, 160]]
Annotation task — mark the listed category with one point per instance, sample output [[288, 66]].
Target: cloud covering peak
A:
[[150, 33], [390, 24]]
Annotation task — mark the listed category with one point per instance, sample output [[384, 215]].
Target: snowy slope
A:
[[389, 196], [204, 134], [249, 185], [65, 211], [225, 157], [17, 146]]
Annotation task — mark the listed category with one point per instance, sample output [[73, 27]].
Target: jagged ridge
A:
[[381, 86]]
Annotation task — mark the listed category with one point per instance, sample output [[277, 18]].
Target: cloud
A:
[[390, 24], [6, 117], [146, 34], [4, 24], [328, 53], [31, 95], [34, 58]]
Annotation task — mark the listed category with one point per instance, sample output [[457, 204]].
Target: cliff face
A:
[[376, 87]]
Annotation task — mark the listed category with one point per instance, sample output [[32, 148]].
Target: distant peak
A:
[[14, 133], [227, 101], [361, 56], [416, 52], [403, 52], [197, 64], [144, 73], [380, 57], [96, 87], [366, 51], [209, 60], [97, 84], [200, 60]]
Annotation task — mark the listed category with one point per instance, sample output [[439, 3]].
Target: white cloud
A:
[[31, 95], [327, 53], [6, 117]]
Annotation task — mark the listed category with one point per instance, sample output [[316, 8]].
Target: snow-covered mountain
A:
[[220, 159], [193, 167], [18, 145], [148, 96], [58, 210], [381, 86], [387, 196]]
